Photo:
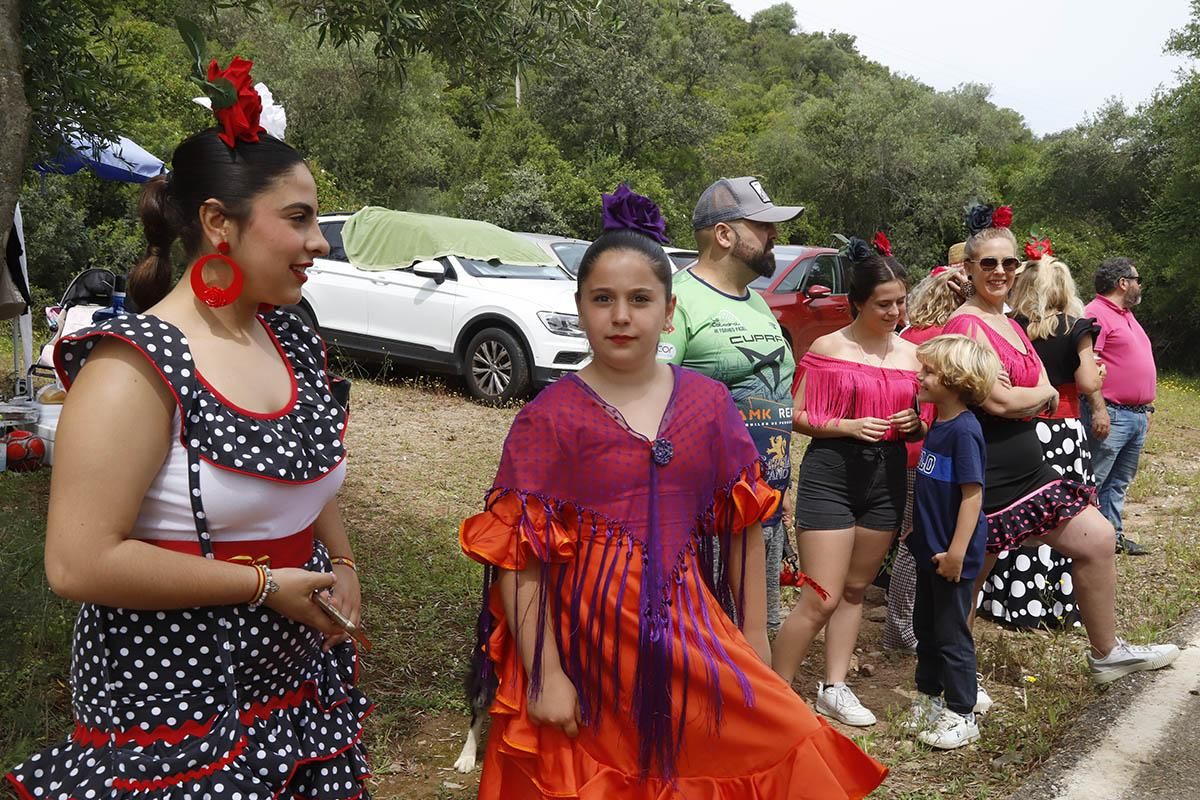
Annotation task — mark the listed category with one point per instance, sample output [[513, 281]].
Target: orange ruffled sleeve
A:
[[517, 527], [750, 499]]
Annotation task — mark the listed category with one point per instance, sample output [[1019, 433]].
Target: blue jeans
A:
[[1115, 459]]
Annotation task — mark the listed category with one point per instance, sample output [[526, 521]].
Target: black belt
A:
[[1145, 408]]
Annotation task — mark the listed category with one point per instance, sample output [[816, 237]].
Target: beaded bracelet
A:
[[269, 586], [343, 561]]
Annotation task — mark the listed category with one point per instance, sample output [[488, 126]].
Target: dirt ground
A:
[[1035, 678]]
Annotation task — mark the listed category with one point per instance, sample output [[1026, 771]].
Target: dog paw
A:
[[465, 763]]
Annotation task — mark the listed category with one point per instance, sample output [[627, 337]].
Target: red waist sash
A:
[[290, 551], [1068, 403]]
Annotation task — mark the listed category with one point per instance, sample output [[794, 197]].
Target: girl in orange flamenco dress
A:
[[618, 676]]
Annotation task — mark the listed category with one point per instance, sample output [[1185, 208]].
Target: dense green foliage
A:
[[663, 94]]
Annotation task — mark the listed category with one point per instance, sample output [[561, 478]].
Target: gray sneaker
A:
[[923, 713], [951, 732], [1125, 658]]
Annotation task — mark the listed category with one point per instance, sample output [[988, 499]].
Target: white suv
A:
[[503, 328]]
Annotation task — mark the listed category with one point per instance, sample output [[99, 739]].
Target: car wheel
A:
[[305, 316], [495, 367]]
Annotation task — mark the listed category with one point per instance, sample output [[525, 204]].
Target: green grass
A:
[[35, 626]]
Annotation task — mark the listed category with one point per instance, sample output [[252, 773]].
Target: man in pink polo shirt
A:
[[1120, 412]]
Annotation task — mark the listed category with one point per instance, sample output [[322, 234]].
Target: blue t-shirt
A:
[[954, 454]]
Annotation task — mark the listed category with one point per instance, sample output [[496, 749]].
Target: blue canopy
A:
[[122, 160]]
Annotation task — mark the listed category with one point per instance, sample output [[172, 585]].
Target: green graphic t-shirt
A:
[[737, 341]]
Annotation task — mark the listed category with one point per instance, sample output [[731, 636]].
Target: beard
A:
[[761, 262]]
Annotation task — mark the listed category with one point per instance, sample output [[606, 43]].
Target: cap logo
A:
[[758, 190]]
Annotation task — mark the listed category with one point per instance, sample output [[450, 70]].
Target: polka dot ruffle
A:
[[1040, 513], [300, 445], [297, 732]]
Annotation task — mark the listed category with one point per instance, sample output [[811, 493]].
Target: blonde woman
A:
[[1023, 496], [1046, 304]]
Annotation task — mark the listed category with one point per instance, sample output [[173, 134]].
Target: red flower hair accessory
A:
[[1036, 248], [230, 91], [882, 244], [1002, 217], [239, 118]]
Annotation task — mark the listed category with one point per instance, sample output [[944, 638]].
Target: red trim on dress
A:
[[21, 791], [66, 382], [305, 692], [305, 761], [97, 738], [288, 408], [195, 774]]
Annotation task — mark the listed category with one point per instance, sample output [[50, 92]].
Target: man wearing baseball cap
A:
[[725, 330]]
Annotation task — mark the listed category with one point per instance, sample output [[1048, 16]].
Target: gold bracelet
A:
[[262, 579], [343, 561]]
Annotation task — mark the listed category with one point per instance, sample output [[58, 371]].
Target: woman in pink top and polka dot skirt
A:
[[1025, 499]]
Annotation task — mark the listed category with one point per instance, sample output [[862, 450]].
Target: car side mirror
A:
[[431, 269], [816, 292]]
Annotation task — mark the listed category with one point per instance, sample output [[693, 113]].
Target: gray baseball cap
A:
[[739, 198]]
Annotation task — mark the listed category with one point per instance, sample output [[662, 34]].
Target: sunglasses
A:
[[1135, 278], [990, 264]]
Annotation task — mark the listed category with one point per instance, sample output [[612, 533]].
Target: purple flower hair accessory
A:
[[625, 209], [663, 451]]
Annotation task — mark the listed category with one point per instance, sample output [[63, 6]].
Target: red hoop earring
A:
[[216, 296]]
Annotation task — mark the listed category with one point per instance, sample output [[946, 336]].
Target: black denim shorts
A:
[[848, 482]]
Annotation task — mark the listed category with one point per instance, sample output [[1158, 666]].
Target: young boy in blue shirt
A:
[[948, 538]]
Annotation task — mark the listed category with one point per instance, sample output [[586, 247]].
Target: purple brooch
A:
[[662, 450]]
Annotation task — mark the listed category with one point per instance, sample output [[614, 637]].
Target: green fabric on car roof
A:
[[378, 239]]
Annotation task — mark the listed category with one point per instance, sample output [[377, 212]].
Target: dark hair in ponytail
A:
[[627, 239], [203, 168]]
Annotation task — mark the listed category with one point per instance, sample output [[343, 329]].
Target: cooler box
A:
[[47, 426]]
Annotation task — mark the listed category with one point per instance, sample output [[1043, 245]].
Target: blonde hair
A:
[[933, 300], [962, 364], [976, 240], [1043, 291]]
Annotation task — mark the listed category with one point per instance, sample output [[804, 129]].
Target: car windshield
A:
[[494, 269], [760, 284], [570, 254]]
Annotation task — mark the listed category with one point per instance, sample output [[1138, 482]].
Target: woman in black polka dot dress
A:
[[1033, 586], [193, 510]]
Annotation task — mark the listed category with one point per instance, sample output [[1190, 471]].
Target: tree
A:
[[75, 74], [780, 17], [625, 93]]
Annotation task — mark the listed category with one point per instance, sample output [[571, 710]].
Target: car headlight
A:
[[561, 324]]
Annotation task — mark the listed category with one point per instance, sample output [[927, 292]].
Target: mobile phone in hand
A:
[[326, 605]]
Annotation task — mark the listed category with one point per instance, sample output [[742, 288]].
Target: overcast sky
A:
[[1054, 61]]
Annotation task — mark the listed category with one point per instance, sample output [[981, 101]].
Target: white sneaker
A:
[[951, 731], [983, 700], [1125, 658], [923, 713], [839, 702]]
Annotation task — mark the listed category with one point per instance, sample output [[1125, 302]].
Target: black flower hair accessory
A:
[[980, 217], [854, 248]]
